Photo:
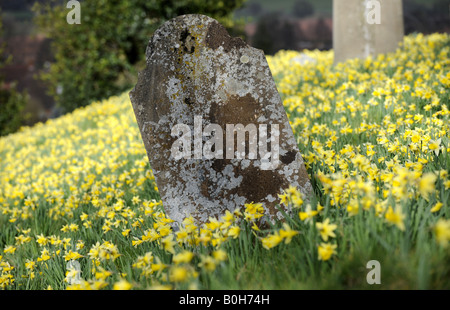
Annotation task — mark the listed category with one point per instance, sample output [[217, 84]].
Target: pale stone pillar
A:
[[366, 27]]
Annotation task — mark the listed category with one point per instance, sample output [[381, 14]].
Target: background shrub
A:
[[12, 102], [101, 56]]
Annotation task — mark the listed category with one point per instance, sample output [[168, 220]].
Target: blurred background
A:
[[48, 67]]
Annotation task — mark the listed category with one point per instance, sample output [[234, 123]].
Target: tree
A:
[[302, 8], [421, 18], [100, 56], [274, 32], [12, 102]]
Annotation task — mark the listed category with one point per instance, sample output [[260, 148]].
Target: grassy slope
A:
[[367, 130]]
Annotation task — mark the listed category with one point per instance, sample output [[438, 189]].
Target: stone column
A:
[[366, 27]]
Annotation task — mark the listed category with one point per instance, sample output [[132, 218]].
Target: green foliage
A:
[[100, 57], [12, 102], [302, 8], [273, 33]]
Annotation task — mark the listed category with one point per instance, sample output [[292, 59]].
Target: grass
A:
[[374, 135]]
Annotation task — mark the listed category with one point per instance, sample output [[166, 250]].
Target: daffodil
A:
[[102, 274], [234, 232], [426, 184], [72, 256], [442, 232], [10, 249], [126, 232], [30, 264], [436, 207], [122, 285], [287, 233], [42, 240], [178, 274], [45, 255], [253, 211], [326, 229], [271, 240], [168, 244], [308, 214], [395, 217], [255, 227], [183, 257], [435, 146], [220, 255], [208, 263], [326, 250]]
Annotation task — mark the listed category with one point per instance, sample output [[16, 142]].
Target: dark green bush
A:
[[12, 102], [100, 56]]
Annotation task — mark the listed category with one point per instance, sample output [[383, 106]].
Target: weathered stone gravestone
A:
[[366, 27], [213, 124]]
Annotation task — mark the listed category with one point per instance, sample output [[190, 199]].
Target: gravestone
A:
[[213, 124], [366, 27]]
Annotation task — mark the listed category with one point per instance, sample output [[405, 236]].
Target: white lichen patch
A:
[[244, 59]]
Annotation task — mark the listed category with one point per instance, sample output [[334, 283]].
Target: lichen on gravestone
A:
[[213, 124]]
